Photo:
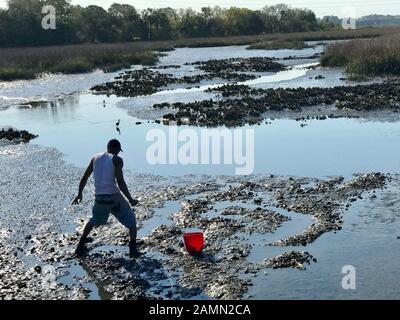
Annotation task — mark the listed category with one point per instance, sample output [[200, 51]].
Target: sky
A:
[[339, 8]]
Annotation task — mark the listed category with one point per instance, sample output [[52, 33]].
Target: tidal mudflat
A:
[[323, 194], [40, 230]]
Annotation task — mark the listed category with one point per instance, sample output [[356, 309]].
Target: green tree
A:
[[161, 23], [192, 23], [24, 23], [98, 25], [4, 23], [20, 23], [66, 26], [240, 21], [127, 22]]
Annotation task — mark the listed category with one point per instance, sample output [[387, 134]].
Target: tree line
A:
[[21, 23], [379, 20]]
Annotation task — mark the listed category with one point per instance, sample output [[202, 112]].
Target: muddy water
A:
[[79, 124]]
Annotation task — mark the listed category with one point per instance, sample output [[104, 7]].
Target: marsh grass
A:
[[371, 57], [367, 32], [27, 63], [279, 44]]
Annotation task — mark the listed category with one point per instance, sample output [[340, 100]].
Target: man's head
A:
[[114, 147]]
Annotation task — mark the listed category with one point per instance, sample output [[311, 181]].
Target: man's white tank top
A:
[[104, 174]]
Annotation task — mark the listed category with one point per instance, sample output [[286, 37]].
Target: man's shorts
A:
[[117, 205]]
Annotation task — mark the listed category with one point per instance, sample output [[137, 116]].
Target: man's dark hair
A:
[[114, 144]]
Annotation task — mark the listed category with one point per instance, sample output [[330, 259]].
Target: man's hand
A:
[[77, 200], [133, 202], [83, 182]]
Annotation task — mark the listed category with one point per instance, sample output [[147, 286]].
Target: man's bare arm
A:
[[83, 182], [119, 164]]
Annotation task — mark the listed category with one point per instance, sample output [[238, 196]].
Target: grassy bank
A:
[[370, 32], [27, 63], [371, 57], [279, 44]]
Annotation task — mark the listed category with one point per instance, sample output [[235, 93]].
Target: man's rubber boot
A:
[[81, 250], [133, 251]]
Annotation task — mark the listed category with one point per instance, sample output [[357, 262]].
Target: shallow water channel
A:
[[80, 126]]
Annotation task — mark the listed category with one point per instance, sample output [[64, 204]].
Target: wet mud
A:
[[292, 259], [252, 64], [39, 230], [313, 57], [16, 136], [241, 104], [147, 82]]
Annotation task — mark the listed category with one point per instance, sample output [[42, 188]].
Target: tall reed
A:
[[372, 57], [27, 63]]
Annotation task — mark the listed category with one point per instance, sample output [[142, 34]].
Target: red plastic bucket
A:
[[194, 242]]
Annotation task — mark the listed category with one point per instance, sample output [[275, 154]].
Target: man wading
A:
[[107, 172]]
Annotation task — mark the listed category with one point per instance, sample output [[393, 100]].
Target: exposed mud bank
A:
[[313, 57], [254, 105], [291, 259], [16, 136], [327, 211], [163, 67], [147, 82], [253, 64], [39, 230]]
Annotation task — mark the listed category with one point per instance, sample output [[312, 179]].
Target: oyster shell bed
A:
[[39, 230], [15, 136], [146, 81], [252, 64], [253, 106]]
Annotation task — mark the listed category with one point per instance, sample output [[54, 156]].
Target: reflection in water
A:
[[322, 148], [58, 110], [100, 284], [117, 126], [297, 72]]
